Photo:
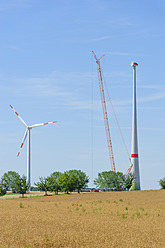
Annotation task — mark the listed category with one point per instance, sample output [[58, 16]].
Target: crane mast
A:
[[105, 113]]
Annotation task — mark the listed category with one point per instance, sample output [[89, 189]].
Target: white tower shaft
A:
[[28, 159], [134, 149]]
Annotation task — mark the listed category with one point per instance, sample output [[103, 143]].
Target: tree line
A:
[[68, 181], [11, 180]]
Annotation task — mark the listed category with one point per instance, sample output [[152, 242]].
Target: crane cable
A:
[[116, 118]]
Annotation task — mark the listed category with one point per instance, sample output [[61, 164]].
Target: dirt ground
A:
[[29, 194], [111, 219]]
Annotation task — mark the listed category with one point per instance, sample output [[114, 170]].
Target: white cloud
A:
[[152, 129], [19, 4], [153, 97], [100, 38], [120, 53], [154, 87], [15, 48], [69, 90], [123, 54]]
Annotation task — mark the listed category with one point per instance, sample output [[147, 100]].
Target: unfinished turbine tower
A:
[[134, 149]]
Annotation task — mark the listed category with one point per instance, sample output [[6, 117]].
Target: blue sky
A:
[[47, 72]]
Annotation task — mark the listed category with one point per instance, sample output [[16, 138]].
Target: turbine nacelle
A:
[[134, 64]]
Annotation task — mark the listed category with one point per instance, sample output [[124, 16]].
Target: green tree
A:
[[42, 185], [110, 180], [9, 180], [162, 183], [129, 180], [67, 182], [22, 186], [119, 180], [2, 189], [53, 183], [82, 181]]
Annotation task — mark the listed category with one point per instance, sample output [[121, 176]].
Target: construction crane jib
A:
[[105, 113]]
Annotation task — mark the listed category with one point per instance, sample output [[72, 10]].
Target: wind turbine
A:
[[27, 133]]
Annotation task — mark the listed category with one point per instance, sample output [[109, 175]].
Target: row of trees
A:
[[77, 180], [57, 181], [110, 180], [13, 181], [67, 181]]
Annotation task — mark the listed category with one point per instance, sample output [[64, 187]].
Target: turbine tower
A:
[[134, 149], [27, 133]]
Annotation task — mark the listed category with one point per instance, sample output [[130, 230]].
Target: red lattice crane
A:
[[105, 113]]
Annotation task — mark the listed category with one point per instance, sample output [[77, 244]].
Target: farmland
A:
[[111, 219]]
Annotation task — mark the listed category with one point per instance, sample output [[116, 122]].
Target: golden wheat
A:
[[111, 219]]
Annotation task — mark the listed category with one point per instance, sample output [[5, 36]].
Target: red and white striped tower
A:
[[134, 149]]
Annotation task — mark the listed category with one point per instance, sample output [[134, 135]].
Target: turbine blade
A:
[[24, 138], [42, 124], [18, 116]]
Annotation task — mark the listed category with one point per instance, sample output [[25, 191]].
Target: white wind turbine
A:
[[27, 133]]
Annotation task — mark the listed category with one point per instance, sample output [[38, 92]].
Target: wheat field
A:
[[110, 219]]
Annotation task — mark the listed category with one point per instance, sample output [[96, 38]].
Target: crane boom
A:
[[105, 113], [129, 170]]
